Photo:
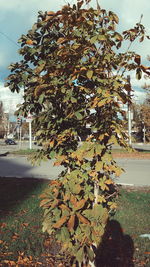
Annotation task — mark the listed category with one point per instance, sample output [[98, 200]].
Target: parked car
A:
[[10, 142]]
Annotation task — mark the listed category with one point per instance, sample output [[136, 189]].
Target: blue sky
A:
[[17, 17]]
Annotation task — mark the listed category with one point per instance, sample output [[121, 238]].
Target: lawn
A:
[[22, 242], [117, 153]]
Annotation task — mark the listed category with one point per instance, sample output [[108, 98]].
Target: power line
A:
[[12, 41]]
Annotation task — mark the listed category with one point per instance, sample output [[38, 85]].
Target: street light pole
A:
[[129, 113]]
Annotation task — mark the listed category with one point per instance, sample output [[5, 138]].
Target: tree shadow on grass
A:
[[15, 190], [116, 249]]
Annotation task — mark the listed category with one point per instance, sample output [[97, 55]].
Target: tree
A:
[[2, 128], [1, 111], [142, 119], [73, 74]]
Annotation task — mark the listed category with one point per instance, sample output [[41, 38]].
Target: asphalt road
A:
[[137, 171]]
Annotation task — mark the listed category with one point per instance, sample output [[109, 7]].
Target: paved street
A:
[[137, 170], [16, 166]]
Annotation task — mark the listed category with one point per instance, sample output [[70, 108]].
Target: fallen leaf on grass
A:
[[3, 225], [15, 236], [25, 224], [10, 263]]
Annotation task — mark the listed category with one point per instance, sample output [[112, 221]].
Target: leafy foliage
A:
[[73, 76]]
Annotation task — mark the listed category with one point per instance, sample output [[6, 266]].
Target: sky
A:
[[17, 17]]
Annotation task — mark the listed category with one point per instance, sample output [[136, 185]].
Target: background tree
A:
[[1, 111], [142, 119], [2, 126], [73, 76]]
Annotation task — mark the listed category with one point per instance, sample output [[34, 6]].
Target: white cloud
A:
[[139, 97], [10, 100]]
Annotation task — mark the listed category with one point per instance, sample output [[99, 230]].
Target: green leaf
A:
[[90, 253], [93, 39], [102, 37], [52, 154], [78, 115], [80, 254], [73, 100], [41, 98], [64, 234]]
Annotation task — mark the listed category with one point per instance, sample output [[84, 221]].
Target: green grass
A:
[[134, 217], [24, 152], [22, 240]]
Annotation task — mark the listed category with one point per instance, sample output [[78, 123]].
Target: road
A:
[[137, 170]]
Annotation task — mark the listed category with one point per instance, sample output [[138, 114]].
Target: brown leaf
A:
[[64, 207], [54, 182], [71, 222], [137, 59], [61, 40], [15, 236], [50, 13], [73, 200], [79, 205], [44, 202], [25, 224], [82, 219], [3, 225], [60, 222], [10, 263]]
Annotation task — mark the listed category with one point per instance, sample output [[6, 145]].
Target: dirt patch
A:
[[136, 155], [128, 188]]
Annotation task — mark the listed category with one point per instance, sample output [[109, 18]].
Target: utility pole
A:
[[129, 113], [19, 122], [144, 130], [29, 120], [30, 134]]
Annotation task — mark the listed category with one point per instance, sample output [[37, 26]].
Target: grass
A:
[[22, 241], [24, 152], [133, 216]]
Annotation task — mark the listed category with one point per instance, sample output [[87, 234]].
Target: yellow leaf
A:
[[60, 40], [89, 74], [51, 143], [112, 205], [29, 42], [102, 103], [98, 165], [101, 199], [109, 181]]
